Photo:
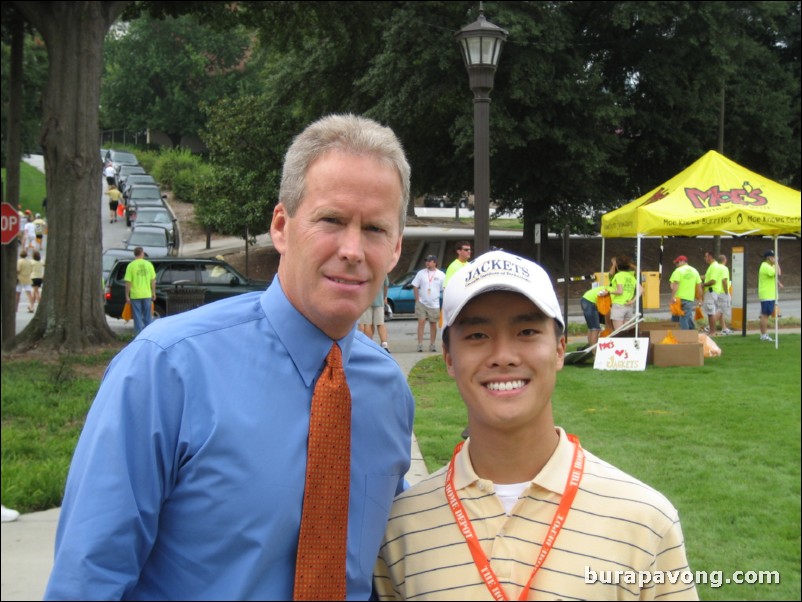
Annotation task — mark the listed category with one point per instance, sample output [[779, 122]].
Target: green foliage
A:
[[158, 72], [187, 183], [34, 76], [720, 441], [246, 138], [225, 204], [147, 158], [172, 161]]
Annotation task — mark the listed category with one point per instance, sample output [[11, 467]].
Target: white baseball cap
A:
[[500, 271]]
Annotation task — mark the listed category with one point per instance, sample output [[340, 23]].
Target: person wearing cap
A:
[[768, 280], [521, 511], [686, 285], [427, 286]]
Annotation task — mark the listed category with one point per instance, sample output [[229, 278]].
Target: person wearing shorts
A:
[[115, 196], [768, 279], [623, 288], [591, 312], [428, 285], [724, 301], [24, 279], [373, 317]]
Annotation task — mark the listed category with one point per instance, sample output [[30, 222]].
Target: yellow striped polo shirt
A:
[[617, 526]]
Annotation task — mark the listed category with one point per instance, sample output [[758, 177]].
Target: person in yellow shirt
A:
[[522, 511], [115, 196], [463, 251]]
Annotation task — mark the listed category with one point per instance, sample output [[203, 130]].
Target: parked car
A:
[[447, 200], [110, 257], [127, 170], [400, 296], [136, 179], [155, 240], [218, 279], [142, 195], [120, 158], [155, 216]]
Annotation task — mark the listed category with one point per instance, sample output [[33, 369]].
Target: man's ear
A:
[[278, 228]]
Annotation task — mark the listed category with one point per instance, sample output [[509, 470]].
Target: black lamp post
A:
[[480, 43]]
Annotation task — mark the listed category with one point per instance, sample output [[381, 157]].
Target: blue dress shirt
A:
[[187, 482]]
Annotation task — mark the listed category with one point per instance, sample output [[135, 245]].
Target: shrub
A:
[[186, 183], [171, 162]]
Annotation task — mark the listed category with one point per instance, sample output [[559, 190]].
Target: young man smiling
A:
[[522, 511]]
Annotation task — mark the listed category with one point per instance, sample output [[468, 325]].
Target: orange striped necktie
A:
[[320, 563]]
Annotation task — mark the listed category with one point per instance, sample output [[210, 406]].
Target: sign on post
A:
[[9, 218]]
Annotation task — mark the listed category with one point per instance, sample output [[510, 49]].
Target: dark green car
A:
[[181, 283]]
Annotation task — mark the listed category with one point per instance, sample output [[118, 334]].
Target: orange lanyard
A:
[[466, 528]]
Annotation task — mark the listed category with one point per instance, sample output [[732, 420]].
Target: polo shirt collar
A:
[[552, 477]]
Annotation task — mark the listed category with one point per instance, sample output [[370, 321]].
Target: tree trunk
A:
[[70, 316], [13, 157]]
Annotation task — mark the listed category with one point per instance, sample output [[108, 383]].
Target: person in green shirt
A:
[[686, 285], [463, 250], [724, 301], [624, 291], [591, 312], [140, 289], [713, 287], [768, 279]]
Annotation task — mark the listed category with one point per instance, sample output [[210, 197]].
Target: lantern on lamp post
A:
[[480, 44]]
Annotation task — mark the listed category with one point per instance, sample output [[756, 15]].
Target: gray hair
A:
[[349, 134]]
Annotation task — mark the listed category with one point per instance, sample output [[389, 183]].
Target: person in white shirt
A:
[[428, 285], [110, 174]]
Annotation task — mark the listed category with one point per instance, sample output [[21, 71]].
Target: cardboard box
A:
[[688, 352], [648, 326]]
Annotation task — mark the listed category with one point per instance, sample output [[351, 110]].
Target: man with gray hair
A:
[[195, 475]]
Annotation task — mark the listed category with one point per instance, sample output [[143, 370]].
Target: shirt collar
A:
[[552, 477], [305, 343]]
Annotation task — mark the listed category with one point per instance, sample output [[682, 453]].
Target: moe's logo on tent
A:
[[715, 197]]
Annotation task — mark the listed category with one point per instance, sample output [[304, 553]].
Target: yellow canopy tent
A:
[[714, 196]]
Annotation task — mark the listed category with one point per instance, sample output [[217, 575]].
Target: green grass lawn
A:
[[721, 441], [32, 188]]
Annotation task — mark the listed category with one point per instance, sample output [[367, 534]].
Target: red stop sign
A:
[[10, 222]]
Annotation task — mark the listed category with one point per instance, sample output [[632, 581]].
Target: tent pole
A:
[[637, 285], [601, 268], [777, 293]]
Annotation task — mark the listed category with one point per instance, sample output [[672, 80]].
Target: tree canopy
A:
[[158, 73]]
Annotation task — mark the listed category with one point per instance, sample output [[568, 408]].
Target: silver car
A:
[[155, 216], [155, 240]]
